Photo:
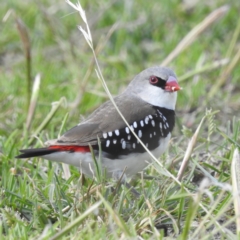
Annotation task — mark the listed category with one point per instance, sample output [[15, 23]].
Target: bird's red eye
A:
[[153, 80]]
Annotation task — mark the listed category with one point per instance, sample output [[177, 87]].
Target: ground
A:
[[40, 43]]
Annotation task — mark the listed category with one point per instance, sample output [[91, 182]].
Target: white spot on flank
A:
[[141, 123], [132, 128], [150, 116], [109, 134], [107, 143], [146, 145], [117, 132], [167, 125], [139, 133], [114, 141], [164, 126], [153, 123], [123, 144], [160, 125], [127, 130], [160, 114], [129, 137], [146, 120], [135, 124], [150, 135], [154, 133], [164, 119], [105, 135], [134, 145]]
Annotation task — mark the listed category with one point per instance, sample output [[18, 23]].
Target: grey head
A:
[[155, 85]]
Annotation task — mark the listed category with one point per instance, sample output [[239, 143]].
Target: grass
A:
[[42, 200]]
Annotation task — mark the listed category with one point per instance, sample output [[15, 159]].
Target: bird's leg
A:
[[121, 178]]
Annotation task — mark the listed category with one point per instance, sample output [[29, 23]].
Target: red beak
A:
[[172, 85]]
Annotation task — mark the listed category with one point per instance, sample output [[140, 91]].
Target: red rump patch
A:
[[70, 148]]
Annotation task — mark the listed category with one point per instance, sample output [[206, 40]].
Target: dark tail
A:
[[37, 152]]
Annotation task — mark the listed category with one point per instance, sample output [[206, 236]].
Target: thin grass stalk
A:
[[230, 235], [235, 174], [66, 168], [33, 101], [234, 60], [208, 67], [225, 75], [195, 32], [117, 219], [23, 32], [84, 82], [189, 150], [55, 107], [76, 222], [234, 40], [207, 216]]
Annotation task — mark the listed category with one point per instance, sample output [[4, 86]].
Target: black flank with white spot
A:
[[151, 129]]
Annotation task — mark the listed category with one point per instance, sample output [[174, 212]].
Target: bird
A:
[[147, 104]]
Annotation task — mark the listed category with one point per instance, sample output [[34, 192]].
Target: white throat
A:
[[158, 97]]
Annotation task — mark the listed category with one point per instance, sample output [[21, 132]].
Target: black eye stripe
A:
[[158, 82], [161, 82]]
